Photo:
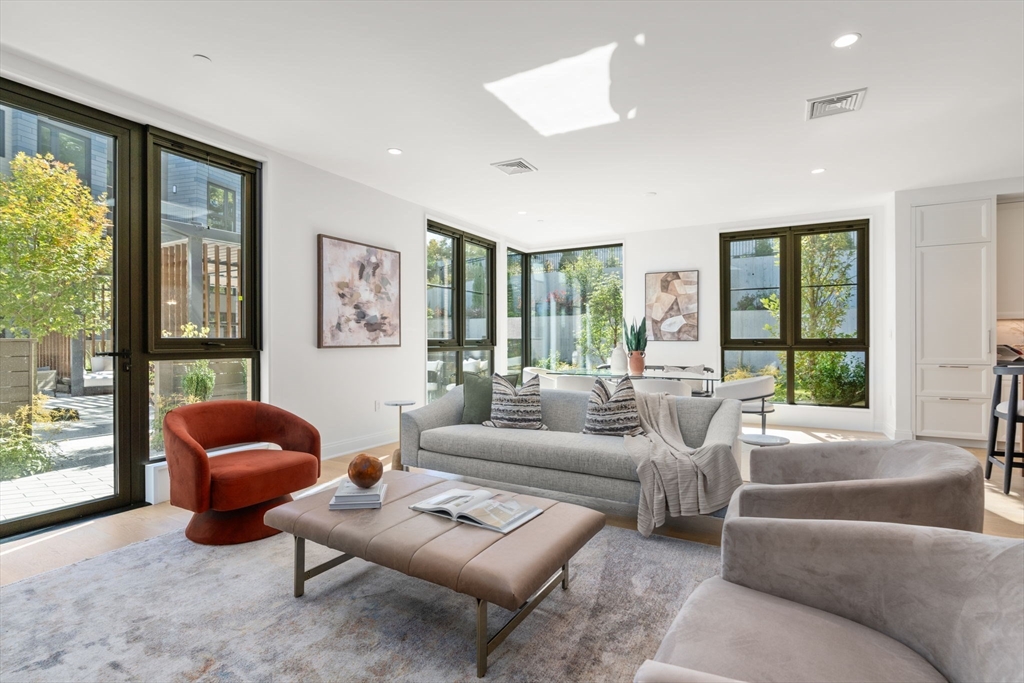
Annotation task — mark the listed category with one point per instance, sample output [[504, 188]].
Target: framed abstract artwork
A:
[[671, 304], [358, 294]]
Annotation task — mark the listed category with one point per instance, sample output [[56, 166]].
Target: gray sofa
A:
[[905, 482], [836, 600], [560, 460]]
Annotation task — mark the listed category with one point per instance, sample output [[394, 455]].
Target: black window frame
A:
[[790, 339], [249, 342], [459, 343]]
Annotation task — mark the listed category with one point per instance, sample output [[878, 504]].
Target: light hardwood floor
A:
[[1004, 515]]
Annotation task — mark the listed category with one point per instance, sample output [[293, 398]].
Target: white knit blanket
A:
[[673, 476]]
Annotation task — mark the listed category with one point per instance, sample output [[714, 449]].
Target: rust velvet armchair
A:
[[230, 493]]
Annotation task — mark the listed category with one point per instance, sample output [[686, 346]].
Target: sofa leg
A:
[[216, 527]]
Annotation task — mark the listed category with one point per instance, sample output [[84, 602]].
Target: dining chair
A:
[[574, 382], [674, 387]]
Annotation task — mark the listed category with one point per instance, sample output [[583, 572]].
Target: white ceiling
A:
[[719, 88]]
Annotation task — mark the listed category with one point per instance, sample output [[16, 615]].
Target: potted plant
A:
[[636, 344]]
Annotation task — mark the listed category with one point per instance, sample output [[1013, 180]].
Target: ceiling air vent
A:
[[842, 103], [515, 167]]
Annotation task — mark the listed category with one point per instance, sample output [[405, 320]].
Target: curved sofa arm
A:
[[188, 466], [443, 412], [287, 430], [930, 500], [955, 597], [800, 463], [726, 426], [660, 672]]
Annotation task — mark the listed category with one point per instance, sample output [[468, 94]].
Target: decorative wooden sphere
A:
[[365, 471]]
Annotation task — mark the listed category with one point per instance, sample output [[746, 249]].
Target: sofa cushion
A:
[[603, 456], [515, 409], [613, 413], [732, 631]]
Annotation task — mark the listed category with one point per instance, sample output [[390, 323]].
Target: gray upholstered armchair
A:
[[907, 482], [827, 600]]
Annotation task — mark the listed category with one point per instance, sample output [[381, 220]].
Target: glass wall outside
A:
[[575, 307], [440, 285], [514, 311], [174, 383], [201, 247], [57, 396]]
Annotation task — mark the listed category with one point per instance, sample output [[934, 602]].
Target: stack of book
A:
[[352, 497]]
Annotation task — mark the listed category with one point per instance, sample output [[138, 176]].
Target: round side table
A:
[[396, 457], [763, 440]]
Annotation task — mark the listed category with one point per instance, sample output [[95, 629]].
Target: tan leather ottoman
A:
[[515, 571]]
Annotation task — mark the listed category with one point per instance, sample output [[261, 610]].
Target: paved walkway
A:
[[51, 490], [86, 472]]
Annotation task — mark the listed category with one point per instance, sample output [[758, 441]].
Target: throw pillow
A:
[[613, 413], [511, 409], [476, 405]]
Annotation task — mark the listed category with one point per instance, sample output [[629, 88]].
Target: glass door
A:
[[65, 319]]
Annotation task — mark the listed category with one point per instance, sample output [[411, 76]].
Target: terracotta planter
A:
[[636, 362]]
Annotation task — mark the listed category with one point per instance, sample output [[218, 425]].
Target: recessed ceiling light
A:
[[202, 58], [846, 40], [522, 213], [540, 220], [817, 171], [394, 150]]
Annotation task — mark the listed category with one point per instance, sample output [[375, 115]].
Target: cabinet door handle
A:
[[955, 366], [954, 399]]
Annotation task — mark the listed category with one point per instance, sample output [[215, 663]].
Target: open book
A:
[[477, 508]]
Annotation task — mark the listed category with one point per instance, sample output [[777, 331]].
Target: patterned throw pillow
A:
[[613, 413], [515, 410]]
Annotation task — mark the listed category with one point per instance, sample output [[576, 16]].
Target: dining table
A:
[[709, 379]]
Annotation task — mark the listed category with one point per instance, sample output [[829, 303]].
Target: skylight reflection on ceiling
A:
[[564, 96]]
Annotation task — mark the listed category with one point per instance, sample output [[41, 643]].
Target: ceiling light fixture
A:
[[522, 213], [201, 58], [846, 40], [817, 171], [394, 150]]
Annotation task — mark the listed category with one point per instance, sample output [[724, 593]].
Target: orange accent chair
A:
[[230, 493]]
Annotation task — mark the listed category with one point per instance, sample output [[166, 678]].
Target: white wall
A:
[[698, 248]]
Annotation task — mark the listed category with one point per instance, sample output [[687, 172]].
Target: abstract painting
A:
[[359, 294], [671, 303]]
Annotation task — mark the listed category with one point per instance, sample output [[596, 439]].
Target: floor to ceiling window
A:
[[795, 305], [460, 307], [204, 231], [575, 306], [98, 338]]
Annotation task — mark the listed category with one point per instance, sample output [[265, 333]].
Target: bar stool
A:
[[1013, 412]]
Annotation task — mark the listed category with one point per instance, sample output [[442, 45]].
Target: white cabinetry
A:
[[955, 310]]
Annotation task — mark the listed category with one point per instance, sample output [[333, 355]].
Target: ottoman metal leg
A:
[[484, 646], [302, 574]]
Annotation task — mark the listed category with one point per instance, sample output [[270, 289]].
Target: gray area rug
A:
[[169, 610]]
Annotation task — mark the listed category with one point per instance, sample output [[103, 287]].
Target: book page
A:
[[454, 501], [497, 514]]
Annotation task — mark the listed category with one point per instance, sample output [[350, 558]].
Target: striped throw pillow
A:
[[511, 409], [613, 413]]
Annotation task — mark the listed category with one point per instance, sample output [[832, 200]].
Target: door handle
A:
[[123, 353], [955, 366]]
